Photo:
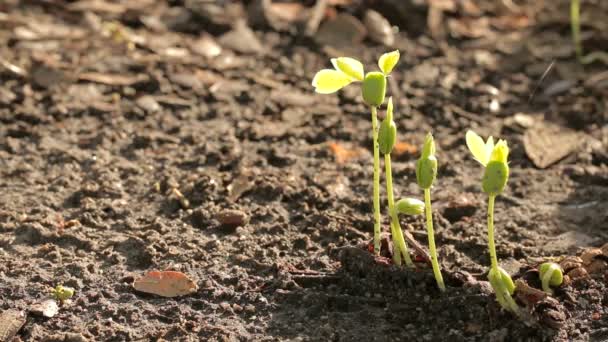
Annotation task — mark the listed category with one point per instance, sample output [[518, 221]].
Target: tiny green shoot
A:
[[62, 293], [346, 71], [550, 275], [426, 172], [575, 26], [386, 141], [494, 159]]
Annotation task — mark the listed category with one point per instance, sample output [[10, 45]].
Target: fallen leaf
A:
[[548, 143], [402, 148], [165, 284], [10, 323], [342, 154]]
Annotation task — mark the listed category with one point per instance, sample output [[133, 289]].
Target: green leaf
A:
[[481, 151], [329, 81], [428, 148], [349, 66], [388, 61], [500, 152]]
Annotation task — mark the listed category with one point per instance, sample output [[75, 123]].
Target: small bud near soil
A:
[[374, 88]]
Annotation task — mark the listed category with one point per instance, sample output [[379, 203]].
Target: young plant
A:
[[347, 70], [576, 28], [496, 173], [550, 275], [426, 172], [62, 293], [386, 141]]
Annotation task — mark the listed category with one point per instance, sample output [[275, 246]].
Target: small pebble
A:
[[232, 218]]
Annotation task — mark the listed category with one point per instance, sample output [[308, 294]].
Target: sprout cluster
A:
[[492, 156]]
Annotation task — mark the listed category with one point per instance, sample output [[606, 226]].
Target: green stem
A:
[[493, 259], [431, 233], [546, 279], [396, 248], [398, 240], [376, 181], [576, 28]]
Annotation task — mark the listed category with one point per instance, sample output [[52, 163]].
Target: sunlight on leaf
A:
[[329, 81], [388, 61], [350, 66], [481, 151]]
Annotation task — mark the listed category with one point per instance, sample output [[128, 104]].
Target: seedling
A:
[[347, 70], [550, 275], [62, 293], [496, 173], [386, 141], [426, 172], [575, 27]]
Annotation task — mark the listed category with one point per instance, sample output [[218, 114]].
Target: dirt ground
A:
[[149, 135]]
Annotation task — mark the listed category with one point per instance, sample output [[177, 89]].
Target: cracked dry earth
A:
[[120, 156]]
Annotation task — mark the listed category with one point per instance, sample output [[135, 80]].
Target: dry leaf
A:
[[548, 143], [342, 154], [165, 284], [10, 323], [401, 148]]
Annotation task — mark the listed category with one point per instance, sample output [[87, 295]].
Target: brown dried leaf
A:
[[342, 154], [165, 284], [10, 323], [402, 148], [590, 254], [548, 143]]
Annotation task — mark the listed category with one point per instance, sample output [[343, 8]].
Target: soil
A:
[[127, 144]]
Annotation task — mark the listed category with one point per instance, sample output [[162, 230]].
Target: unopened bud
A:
[[374, 88], [387, 136], [495, 177], [410, 206]]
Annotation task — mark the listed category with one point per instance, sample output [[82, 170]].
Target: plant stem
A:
[[376, 181], [398, 241], [431, 233], [546, 279], [493, 259], [576, 28]]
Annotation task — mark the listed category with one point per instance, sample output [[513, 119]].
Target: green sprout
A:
[[494, 159], [550, 275], [426, 172], [575, 27], [386, 141], [347, 70], [62, 293]]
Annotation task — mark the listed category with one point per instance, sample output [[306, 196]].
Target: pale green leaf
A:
[[388, 61], [481, 151], [329, 81], [350, 66]]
